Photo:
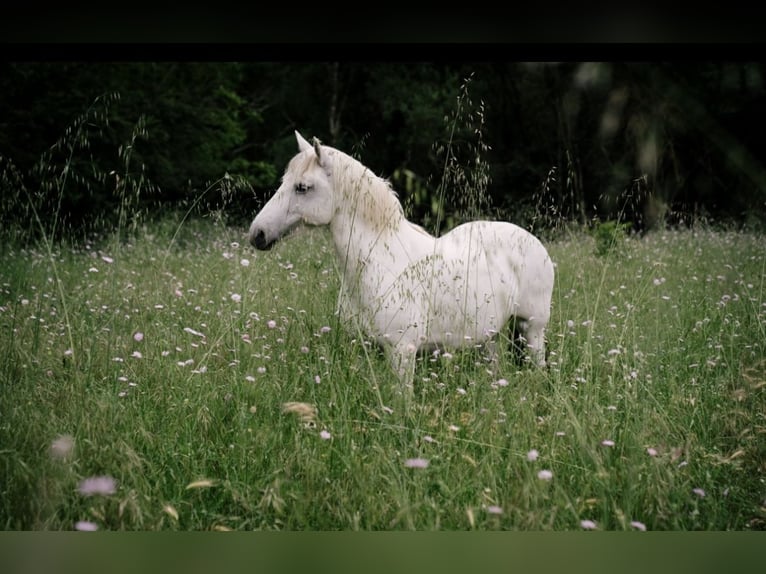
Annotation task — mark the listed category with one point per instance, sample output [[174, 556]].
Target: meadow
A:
[[177, 379]]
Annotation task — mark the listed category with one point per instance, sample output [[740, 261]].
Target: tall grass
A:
[[180, 361]]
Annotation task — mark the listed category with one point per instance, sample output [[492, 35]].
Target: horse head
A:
[[305, 196]]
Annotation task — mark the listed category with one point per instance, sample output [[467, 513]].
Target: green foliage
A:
[[610, 237], [67, 191], [167, 128], [685, 131]]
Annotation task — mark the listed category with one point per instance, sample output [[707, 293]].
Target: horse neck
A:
[[369, 223], [357, 244]]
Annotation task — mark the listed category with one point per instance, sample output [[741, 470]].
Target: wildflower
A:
[[545, 475], [304, 349], [607, 442], [317, 379], [250, 378], [494, 509], [587, 525], [324, 329], [138, 336], [638, 525], [193, 332], [387, 410], [85, 526], [137, 355], [532, 455], [324, 435], [102, 485], [107, 259], [699, 492], [501, 383], [68, 353], [651, 451], [416, 463], [62, 446], [236, 297], [454, 428], [272, 324], [429, 438], [244, 262], [261, 370]]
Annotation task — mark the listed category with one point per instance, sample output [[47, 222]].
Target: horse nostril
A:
[[259, 240]]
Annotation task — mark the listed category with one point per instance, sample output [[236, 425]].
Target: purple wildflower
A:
[[101, 485], [85, 526]]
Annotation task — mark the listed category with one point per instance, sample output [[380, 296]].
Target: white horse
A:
[[406, 289]]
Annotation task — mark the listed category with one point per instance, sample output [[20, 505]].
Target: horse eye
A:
[[302, 188]]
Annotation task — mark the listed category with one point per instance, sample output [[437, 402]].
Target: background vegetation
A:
[[653, 143]]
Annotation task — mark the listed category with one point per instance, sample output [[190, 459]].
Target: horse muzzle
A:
[[259, 241]]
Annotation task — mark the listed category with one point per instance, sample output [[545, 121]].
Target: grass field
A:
[[146, 384]]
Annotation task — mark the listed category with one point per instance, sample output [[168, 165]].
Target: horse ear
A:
[[318, 151], [303, 145]]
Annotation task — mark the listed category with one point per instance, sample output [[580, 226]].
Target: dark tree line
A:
[[652, 143]]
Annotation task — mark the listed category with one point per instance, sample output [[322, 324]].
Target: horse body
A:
[[408, 290]]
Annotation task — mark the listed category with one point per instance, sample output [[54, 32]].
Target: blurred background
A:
[[652, 144]]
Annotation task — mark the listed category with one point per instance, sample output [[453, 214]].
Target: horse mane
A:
[[370, 196]]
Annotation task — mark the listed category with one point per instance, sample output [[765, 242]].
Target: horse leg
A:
[[402, 358], [490, 352], [533, 333]]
